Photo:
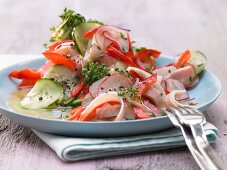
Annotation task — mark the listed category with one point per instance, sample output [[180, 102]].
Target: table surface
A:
[[169, 27]]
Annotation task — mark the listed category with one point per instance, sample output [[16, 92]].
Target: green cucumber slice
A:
[[45, 94], [71, 102], [198, 60], [60, 74], [78, 32], [63, 75]]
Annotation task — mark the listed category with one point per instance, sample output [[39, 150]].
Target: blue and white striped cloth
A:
[[75, 149]]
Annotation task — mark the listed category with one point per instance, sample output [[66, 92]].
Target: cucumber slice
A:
[[60, 74], [71, 102], [63, 75], [45, 94], [78, 32], [198, 60]]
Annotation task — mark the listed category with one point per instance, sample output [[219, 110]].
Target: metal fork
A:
[[189, 140], [195, 120]]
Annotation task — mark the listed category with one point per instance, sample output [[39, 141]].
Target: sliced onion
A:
[[182, 97], [129, 113], [122, 43], [107, 35], [121, 113], [104, 98], [86, 100], [134, 103], [94, 52], [158, 85], [155, 110], [156, 96], [171, 98], [172, 84]]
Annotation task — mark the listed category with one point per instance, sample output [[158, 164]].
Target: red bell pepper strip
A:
[[76, 113], [25, 83], [135, 75], [147, 83], [183, 59], [92, 114], [147, 64], [113, 52], [140, 114], [88, 35], [57, 58], [143, 58], [77, 90], [25, 73], [56, 44], [154, 53]]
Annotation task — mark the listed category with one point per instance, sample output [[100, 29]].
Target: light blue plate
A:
[[205, 93]]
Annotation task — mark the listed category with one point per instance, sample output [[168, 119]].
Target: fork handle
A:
[[193, 148], [213, 158], [207, 151]]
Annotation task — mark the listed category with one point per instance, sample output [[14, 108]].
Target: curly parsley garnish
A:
[[94, 71], [130, 93], [70, 19]]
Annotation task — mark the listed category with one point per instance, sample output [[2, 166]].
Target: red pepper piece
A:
[[76, 91], [57, 58], [88, 35], [183, 59], [147, 83], [113, 52], [25, 73]]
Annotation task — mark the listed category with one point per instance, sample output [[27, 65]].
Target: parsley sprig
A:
[[69, 20], [94, 71], [130, 93]]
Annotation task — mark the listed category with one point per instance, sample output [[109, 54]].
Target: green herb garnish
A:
[[138, 49], [149, 68], [70, 19], [123, 36], [133, 42], [130, 105], [130, 93], [125, 72], [94, 71]]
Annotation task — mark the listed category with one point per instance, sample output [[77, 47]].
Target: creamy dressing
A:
[[14, 104]]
